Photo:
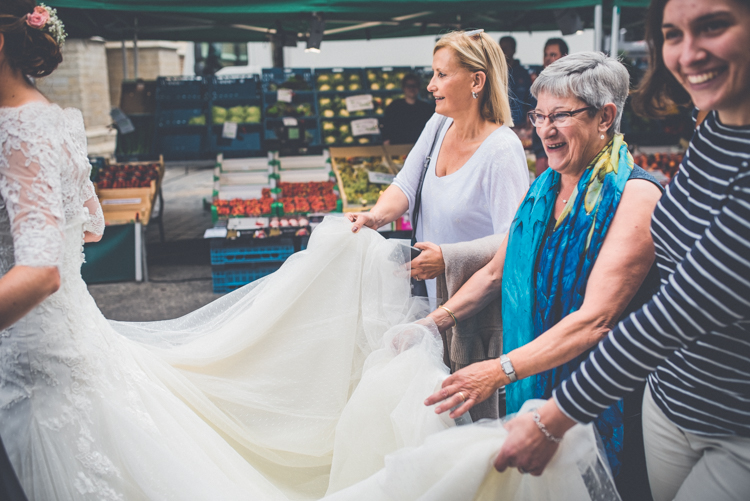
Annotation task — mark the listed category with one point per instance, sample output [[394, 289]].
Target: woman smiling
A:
[[691, 339]]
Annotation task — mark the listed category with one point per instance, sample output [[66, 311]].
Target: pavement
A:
[[179, 267]]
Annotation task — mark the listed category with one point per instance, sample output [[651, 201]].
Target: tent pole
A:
[[598, 27], [124, 61], [135, 48], [277, 50], [615, 31]]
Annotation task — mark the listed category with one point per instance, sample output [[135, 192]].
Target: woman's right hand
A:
[[360, 219], [467, 387]]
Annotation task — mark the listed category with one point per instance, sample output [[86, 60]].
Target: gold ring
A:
[[461, 394]]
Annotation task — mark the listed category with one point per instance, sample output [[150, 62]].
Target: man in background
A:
[[554, 49], [519, 82], [405, 118]]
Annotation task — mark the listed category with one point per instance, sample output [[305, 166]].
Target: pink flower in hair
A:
[[38, 19]]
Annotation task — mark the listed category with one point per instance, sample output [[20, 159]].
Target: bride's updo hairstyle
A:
[[477, 51], [31, 51]]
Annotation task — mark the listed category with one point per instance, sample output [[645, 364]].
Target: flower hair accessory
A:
[[45, 18]]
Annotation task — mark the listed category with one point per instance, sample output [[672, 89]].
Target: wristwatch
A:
[[507, 366]]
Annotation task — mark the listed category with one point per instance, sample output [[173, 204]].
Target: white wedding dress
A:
[[303, 385]]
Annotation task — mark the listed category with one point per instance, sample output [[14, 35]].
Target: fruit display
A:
[[236, 114], [114, 176], [338, 81], [296, 198], [292, 82], [381, 79], [197, 120], [354, 174], [667, 163], [280, 109]]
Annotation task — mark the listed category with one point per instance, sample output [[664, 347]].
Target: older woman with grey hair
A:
[[578, 255]]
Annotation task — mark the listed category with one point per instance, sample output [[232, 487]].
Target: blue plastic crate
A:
[[171, 89], [273, 77], [223, 252], [248, 139], [181, 117], [308, 127], [229, 279], [234, 88], [180, 144]]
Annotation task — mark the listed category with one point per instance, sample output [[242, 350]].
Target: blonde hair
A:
[[479, 52]]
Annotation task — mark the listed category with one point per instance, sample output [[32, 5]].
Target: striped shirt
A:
[[692, 339]]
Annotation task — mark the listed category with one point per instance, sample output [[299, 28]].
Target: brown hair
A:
[[31, 51], [479, 52], [659, 91]]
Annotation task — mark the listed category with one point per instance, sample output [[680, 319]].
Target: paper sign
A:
[[290, 122], [365, 127], [358, 103], [284, 95], [121, 201], [229, 131], [215, 233], [380, 177]]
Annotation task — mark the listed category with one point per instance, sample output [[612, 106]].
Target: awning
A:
[[255, 20]]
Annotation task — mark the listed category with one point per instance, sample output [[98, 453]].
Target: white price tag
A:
[[121, 201], [290, 122], [365, 127], [380, 177], [358, 103], [229, 131], [215, 233], [284, 95]]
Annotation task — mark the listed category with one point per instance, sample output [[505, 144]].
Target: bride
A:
[[303, 385]]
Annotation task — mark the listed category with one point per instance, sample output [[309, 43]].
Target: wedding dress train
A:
[[306, 384]]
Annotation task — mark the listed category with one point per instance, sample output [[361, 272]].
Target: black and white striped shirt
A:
[[693, 336]]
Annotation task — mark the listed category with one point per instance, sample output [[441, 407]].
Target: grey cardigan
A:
[[481, 336]]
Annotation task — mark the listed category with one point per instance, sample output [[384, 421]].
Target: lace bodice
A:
[[46, 198]]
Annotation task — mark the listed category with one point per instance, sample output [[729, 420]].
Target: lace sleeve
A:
[[31, 187], [95, 223]]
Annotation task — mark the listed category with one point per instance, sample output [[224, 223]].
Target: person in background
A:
[[405, 118], [690, 340], [519, 82], [554, 49]]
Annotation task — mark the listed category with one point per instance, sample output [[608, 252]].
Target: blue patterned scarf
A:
[[544, 279]]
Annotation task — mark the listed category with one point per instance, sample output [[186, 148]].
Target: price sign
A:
[[358, 103], [365, 127], [290, 122], [380, 177], [229, 131], [284, 95]]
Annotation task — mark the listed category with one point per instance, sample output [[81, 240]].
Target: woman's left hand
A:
[[525, 446], [430, 263], [468, 386]]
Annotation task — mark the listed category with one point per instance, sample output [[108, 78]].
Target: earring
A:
[[474, 94], [601, 137]]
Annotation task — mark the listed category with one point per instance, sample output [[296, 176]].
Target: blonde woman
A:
[[475, 178]]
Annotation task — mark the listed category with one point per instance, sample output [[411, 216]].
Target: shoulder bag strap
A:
[[425, 166]]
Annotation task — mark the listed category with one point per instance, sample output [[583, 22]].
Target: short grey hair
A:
[[592, 77]]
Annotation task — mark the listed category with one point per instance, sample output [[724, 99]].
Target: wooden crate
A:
[[126, 205], [384, 152]]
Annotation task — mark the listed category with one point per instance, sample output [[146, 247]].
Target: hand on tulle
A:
[[410, 335], [430, 263], [525, 447], [360, 219], [475, 383]]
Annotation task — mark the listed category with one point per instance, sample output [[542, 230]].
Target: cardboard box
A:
[[126, 205]]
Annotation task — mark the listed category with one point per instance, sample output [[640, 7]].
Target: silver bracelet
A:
[[543, 429]]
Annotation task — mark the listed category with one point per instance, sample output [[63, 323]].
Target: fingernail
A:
[[355, 229]]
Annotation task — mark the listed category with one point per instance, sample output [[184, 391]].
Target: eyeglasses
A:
[[560, 118]]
